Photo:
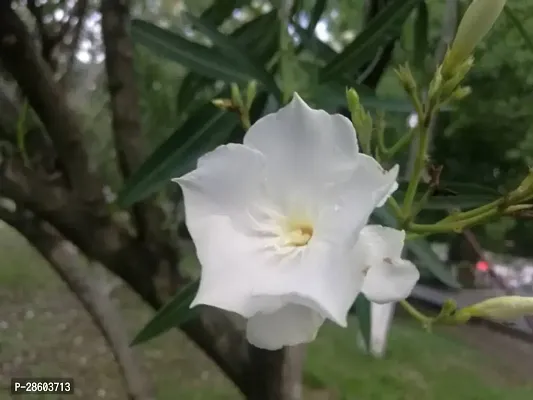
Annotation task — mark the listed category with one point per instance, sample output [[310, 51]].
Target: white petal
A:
[[390, 281], [247, 275], [381, 182], [291, 325], [228, 181], [377, 242], [307, 150]]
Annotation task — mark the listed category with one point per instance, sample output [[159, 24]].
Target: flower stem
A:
[[425, 320]]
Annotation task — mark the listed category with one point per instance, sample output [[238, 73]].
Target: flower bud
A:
[[476, 23], [499, 308], [251, 91], [236, 97]]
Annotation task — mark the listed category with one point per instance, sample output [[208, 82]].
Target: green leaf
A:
[[385, 25], [456, 195], [171, 315], [461, 201], [332, 96], [232, 49], [519, 26], [258, 37], [363, 313], [203, 131], [201, 59], [421, 45], [421, 250], [219, 11]]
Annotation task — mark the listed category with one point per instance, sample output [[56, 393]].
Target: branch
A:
[[74, 272], [34, 77], [96, 234], [127, 131]]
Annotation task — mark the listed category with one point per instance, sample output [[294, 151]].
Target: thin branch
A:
[[74, 272], [18, 55]]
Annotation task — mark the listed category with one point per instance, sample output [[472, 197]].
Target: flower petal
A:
[[377, 242], [307, 150], [228, 181], [291, 325], [390, 281], [381, 182]]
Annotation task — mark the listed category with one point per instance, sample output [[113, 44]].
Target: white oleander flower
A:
[[275, 221]]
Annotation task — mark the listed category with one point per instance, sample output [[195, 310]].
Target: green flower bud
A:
[[236, 97], [476, 23], [251, 92], [499, 308]]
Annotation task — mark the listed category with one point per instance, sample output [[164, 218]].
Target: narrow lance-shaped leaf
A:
[[258, 37], [420, 50], [172, 315], [519, 26], [193, 56], [380, 29], [233, 50]]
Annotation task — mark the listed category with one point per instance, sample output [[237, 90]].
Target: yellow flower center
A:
[[298, 233]]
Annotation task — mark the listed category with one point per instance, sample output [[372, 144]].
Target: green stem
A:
[[395, 207], [419, 164], [404, 140], [443, 227], [424, 319]]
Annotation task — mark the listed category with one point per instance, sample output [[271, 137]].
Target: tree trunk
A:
[[275, 375]]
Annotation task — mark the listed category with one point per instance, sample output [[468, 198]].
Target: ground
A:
[[44, 331]]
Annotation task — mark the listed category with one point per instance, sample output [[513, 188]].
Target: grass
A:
[[43, 331]]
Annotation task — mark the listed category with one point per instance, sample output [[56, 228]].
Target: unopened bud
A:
[[406, 79], [223, 104], [476, 23], [461, 93], [499, 308], [236, 96], [251, 91]]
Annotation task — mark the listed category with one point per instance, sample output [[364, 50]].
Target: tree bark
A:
[[275, 375]]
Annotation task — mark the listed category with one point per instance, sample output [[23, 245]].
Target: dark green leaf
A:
[[519, 26], [172, 315], [421, 36], [233, 50], [462, 202], [201, 59], [363, 313], [219, 11], [331, 96], [204, 130], [453, 188], [258, 37], [420, 249], [382, 28]]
